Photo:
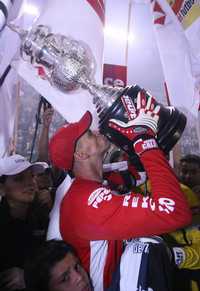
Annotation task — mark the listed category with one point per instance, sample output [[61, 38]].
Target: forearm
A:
[[43, 145], [188, 257]]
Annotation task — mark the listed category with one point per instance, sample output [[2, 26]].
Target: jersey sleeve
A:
[[188, 256], [192, 257], [109, 216]]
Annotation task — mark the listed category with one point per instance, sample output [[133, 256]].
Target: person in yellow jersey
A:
[[185, 245]]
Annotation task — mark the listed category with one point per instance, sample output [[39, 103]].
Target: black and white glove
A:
[[143, 129]]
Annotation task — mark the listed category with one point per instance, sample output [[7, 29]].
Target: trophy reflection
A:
[[69, 65]]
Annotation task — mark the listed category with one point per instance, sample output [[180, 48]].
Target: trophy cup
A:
[[70, 65]]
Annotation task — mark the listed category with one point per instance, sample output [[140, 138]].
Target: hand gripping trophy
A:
[[69, 65]]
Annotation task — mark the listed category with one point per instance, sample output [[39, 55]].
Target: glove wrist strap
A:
[[143, 144]]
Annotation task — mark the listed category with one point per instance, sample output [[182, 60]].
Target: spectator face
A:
[[21, 187], [44, 180], [68, 275], [44, 184], [189, 174]]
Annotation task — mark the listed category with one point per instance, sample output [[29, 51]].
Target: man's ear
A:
[[81, 155]]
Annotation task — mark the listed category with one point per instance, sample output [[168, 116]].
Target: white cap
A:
[[16, 164]]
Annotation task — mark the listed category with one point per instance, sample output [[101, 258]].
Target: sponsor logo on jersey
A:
[[179, 255], [98, 196], [164, 204]]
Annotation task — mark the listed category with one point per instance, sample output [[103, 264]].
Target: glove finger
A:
[[141, 100], [150, 103], [156, 110]]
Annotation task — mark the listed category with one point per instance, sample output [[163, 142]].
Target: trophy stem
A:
[[21, 32], [103, 96]]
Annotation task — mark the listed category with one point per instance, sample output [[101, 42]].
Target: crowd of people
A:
[[67, 224]]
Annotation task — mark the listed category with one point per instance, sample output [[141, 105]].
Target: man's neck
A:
[[93, 172]]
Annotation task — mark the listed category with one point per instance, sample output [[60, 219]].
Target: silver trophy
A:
[[69, 65]]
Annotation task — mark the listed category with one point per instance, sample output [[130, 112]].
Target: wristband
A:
[[143, 144]]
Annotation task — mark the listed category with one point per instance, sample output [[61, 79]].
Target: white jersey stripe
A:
[[98, 254]]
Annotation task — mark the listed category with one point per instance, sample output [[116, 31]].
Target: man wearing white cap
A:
[[19, 231]]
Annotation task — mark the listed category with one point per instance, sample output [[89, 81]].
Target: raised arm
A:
[[43, 143]]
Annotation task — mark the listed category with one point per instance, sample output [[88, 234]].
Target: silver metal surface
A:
[[69, 64]]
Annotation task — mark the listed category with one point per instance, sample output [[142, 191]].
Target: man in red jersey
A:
[[96, 220]]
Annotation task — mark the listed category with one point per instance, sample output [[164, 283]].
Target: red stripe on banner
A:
[[160, 20], [99, 7], [114, 75], [176, 5], [157, 8]]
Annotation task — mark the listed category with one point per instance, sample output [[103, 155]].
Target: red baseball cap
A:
[[62, 144]]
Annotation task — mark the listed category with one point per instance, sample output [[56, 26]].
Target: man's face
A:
[[94, 143], [21, 187], [68, 275], [189, 174]]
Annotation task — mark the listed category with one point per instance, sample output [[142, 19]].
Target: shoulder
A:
[[84, 185], [87, 192]]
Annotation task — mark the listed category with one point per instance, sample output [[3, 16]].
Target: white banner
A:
[[63, 17], [8, 108], [9, 41], [22, 13], [177, 58]]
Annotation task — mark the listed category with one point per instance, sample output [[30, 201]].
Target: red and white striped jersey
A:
[[96, 221]]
